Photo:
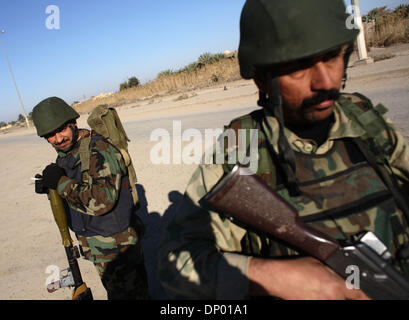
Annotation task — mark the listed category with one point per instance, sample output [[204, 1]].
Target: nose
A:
[[321, 77], [58, 137]]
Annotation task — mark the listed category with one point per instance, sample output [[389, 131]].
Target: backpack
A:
[[104, 120]]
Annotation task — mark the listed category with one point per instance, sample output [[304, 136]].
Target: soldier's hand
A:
[[51, 175], [298, 279]]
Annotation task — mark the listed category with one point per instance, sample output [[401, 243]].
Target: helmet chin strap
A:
[[272, 103], [347, 55]]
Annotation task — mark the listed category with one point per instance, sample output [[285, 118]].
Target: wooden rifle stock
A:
[[242, 196]]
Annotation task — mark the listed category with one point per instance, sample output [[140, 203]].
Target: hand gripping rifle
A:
[[70, 277], [246, 199]]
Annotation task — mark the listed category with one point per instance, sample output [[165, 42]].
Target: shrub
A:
[[167, 72], [192, 76], [214, 78], [132, 82], [21, 118], [123, 86], [402, 11], [209, 58], [189, 68]]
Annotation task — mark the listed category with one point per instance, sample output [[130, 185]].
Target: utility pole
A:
[[14, 80], [362, 53]]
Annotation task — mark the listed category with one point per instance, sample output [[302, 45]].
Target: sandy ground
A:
[[30, 242]]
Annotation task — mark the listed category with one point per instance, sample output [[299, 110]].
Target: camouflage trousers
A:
[[120, 264]]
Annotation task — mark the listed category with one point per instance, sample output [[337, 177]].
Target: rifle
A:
[[70, 277], [246, 199]]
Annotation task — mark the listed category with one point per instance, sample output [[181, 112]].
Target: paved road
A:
[[142, 129], [394, 98]]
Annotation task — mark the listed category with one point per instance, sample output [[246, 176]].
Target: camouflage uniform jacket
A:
[[205, 255], [97, 193]]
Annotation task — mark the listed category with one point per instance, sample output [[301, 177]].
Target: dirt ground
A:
[[29, 238]]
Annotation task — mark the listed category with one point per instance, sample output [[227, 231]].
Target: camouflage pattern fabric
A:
[[97, 191], [119, 262], [205, 255], [117, 258], [333, 187]]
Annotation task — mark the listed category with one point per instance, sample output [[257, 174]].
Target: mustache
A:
[[320, 96], [66, 149], [60, 143]]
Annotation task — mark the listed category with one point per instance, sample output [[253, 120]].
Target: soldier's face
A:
[[62, 138], [310, 87]]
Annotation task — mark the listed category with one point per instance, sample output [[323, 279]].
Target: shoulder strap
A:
[[360, 109], [389, 180], [85, 154], [382, 144], [266, 166]]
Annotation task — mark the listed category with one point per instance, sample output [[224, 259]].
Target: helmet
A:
[[52, 113], [276, 31]]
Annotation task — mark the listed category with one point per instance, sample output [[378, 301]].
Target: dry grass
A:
[[390, 28], [219, 72], [387, 32]]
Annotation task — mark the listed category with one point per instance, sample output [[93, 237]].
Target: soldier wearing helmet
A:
[[101, 209], [318, 148]]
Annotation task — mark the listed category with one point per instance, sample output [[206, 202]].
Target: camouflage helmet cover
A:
[[273, 32], [52, 113]]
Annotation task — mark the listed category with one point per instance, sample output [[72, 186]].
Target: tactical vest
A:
[[342, 193], [117, 220]]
